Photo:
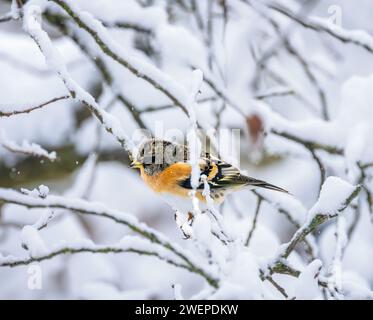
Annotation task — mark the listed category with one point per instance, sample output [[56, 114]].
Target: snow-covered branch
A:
[[141, 69], [129, 244], [357, 37], [327, 207], [26, 148], [6, 17], [193, 71], [99, 209], [31, 24]]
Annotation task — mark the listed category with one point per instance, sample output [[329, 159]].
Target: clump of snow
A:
[[239, 284], [202, 228], [41, 192], [307, 284], [26, 148], [334, 193]]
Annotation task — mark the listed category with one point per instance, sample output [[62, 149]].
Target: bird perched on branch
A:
[[165, 169]]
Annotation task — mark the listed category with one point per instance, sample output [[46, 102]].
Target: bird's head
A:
[[155, 155]]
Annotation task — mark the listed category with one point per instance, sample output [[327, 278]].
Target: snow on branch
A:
[[26, 148], [99, 209], [158, 79], [304, 133], [14, 12], [357, 37], [6, 17], [11, 110], [31, 24], [336, 194], [275, 92], [131, 244], [301, 133]]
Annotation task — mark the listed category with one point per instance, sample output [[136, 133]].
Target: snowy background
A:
[[77, 78]]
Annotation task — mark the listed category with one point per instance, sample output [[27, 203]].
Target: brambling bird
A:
[[165, 169]]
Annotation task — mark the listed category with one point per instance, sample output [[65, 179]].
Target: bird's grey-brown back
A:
[[156, 155]]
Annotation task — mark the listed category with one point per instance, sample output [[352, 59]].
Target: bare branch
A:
[[310, 145], [127, 25], [20, 110], [258, 204], [170, 106], [276, 92]]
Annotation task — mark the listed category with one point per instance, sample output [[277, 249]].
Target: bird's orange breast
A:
[[168, 180]]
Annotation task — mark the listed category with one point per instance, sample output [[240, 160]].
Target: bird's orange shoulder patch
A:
[[213, 171]]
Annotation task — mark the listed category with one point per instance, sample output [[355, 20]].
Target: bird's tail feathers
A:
[[265, 185]]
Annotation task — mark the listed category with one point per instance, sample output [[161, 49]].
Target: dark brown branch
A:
[[257, 210], [273, 94], [127, 25], [275, 284], [29, 109], [311, 145], [170, 106], [321, 167]]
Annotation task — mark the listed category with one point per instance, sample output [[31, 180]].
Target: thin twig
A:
[[20, 110], [311, 145], [257, 210], [170, 106], [335, 31]]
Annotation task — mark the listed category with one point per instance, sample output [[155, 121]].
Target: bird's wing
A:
[[219, 174], [222, 175]]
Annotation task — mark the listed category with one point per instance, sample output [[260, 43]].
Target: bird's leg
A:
[[190, 218]]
